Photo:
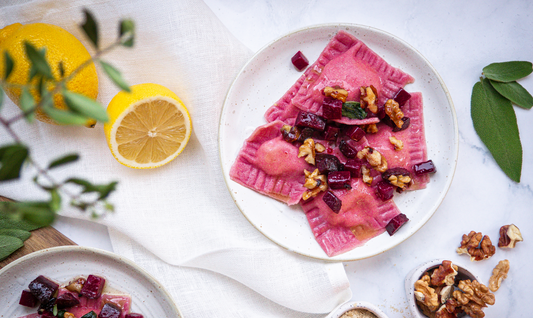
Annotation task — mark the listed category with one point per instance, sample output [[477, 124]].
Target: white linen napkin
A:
[[217, 264]]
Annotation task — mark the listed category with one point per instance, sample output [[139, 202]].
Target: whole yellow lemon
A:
[[60, 46]]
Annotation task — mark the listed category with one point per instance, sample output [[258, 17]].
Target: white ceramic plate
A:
[[63, 263], [269, 74]]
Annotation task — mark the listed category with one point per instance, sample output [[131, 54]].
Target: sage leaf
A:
[[514, 92], [353, 110], [508, 71], [38, 60], [127, 29], [27, 105], [20, 234], [36, 212], [55, 200], [85, 106], [63, 160], [91, 314], [102, 190], [61, 68], [8, 221], [8, 65], [115, 76], [9, 244], [90, 28], [12, 158], [495, 122], [65, 117]]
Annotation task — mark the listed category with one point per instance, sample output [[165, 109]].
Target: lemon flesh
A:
[[147, 132]]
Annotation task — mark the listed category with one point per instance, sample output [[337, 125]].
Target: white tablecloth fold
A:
[[217, 264]]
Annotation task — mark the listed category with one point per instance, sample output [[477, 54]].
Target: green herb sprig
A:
[[353, 110], [17, 219], [493, 114]]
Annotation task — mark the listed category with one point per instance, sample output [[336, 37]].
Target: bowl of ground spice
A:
[[358, 309]]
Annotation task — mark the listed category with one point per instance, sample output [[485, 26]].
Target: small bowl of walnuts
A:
[[357, 309], [442, 289]]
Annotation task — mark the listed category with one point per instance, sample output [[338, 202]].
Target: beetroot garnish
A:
[[326, 163], [47, 314], [299, 61], [332, 108], [381, 112], [43, 288], [28, 299], [384, 190], [401, 97], [355, 133], [66, 300], [396, 223], [406, 123], [354, 166], [339, 179], [332, 201], [93, 287], [46, 306], [290, 133], [305, 119], [424, 167], [134, 315], [331, 133], [347, 150], [110, 311]]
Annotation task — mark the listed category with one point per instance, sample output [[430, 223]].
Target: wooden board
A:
[[40, 239]]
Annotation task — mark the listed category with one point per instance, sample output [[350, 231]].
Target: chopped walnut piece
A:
[[392, 109], [400, 181], [425, 294], [476, 245], [76, 285], [397, 143], [336, 93], [473, 310], [319, 147], [68, 315], [374, 158], [499, 273], [444, 274], [315, 182], [509, 235], [445, 293], [371, 128], [443, 312], [369, 98], [290, 133], [365, 172], [474, 291], [307, 150]]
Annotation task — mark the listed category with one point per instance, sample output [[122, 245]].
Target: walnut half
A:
[[315, 182], [425, 294], [499, 273], [336, 93], [307, 150], [476, 245], [509, 235]]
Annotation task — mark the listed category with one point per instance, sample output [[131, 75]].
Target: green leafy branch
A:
[[493, 114], [18, 218]]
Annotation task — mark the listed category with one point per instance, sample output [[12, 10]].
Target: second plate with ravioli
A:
[[269, 74]]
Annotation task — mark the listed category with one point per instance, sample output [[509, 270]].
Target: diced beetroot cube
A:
[[93, 287], [347, 150], [134, 315], [326, 163], [354, 166], [47, 314], [331, 133], [290, 133], [398, 171], [396, 223], [384, 190], [406, 124], [66, 300], [381, 112], [424, 167], [401, 97], [28, 299], [110, 311], [299, 61], [305, 119], [308, 133], [43, 288], [332, 108], [332, 201], [47, 306], [339, 179], [355, 133]]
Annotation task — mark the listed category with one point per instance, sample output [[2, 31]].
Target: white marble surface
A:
[[459, 38]]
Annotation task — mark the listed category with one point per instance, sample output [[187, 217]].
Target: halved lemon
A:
[[148, 127]]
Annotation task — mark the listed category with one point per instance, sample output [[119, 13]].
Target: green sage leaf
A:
[[9, 244], [91, 314], [36, 212], [27, 105], [353, 110], [85, 106], [63, 160], [115, 76], [12, 158], [38, 60], [514, 92], [102, 190], [61, 68], [12, 218], [90, 28], [127, 31], [8, 65], [508, 71], [55, 200], [495, 122], [65, 117], [20, 234]]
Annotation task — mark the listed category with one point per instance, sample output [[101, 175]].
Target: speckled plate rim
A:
[[453, 160], [48, 252]]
